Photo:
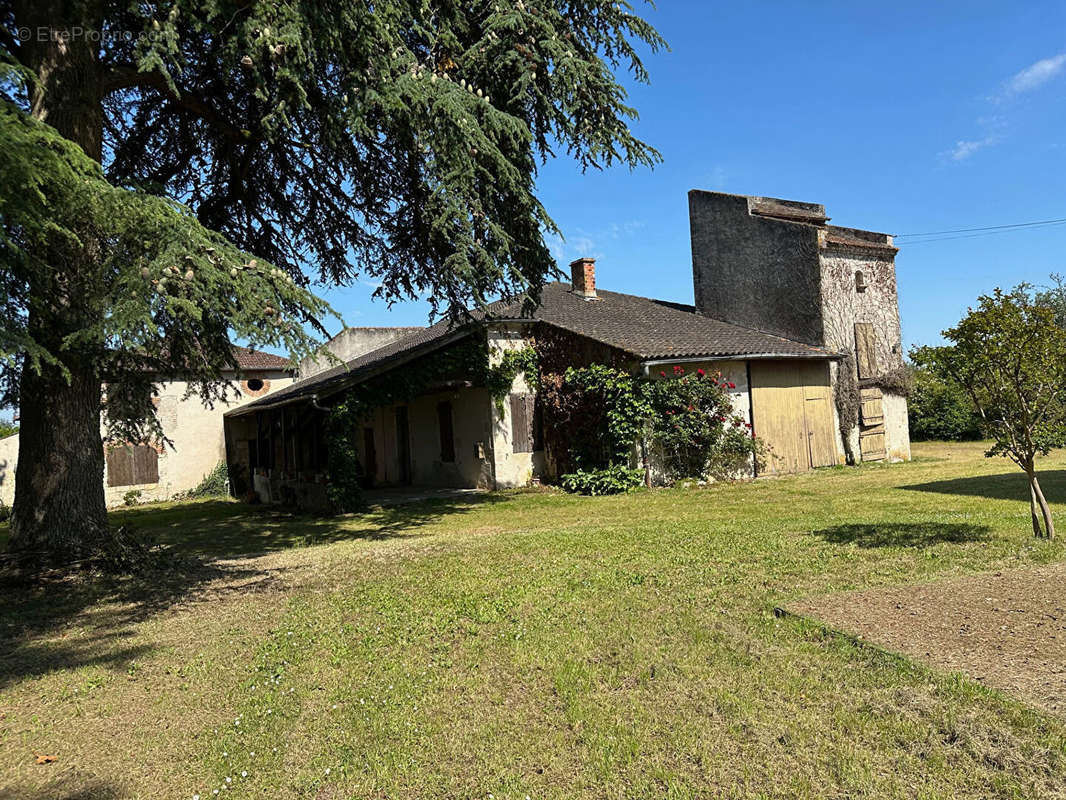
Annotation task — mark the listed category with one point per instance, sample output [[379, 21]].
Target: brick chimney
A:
[[583, 277]]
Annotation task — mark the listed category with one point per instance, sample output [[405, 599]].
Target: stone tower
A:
[[779, 267]]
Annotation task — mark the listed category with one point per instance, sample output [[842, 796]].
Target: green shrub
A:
[[614, 479], [8, 428], [939, 410], [132, 497], [685, 421], [214, 484], [694, 430]]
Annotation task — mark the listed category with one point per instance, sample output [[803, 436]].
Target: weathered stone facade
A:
[[778, 266], [348, 344]]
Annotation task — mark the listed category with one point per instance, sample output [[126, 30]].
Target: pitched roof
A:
[[654, 329], [257, 359], [645, 328]]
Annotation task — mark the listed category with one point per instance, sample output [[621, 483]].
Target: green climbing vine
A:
[[466, 360], [500, 378]]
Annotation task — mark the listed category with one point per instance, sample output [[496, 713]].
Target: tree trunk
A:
[[1038, 532], [1045, 509], [59, 511]]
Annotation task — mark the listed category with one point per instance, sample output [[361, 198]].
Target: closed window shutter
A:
[[145, 464], [120, 466], [132, 465], [522, 423], [865, 351]]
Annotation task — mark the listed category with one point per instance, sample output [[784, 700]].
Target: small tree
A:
[[1009, 354]]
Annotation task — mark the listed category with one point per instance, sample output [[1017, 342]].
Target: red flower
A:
[[700, 372], [690, 408], [662, 372], [732, 385]]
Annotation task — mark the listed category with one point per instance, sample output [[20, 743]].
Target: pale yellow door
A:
[[792, 412], [818, 414]]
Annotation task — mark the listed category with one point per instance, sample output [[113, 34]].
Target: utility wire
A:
[[987, 232], [989, 228]]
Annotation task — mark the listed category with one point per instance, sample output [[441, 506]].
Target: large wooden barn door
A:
[[792, 412]]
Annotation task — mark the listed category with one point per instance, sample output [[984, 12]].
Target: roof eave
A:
[[389, 363]]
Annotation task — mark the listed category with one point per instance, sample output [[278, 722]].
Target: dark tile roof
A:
[[257, 359], [647, 329], [653, 329]]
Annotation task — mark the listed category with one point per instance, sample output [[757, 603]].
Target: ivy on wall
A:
[[500, 378], [467, 360]]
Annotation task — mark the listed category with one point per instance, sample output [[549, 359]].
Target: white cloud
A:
[[965, 148], [1029, 79], [1036, 75]]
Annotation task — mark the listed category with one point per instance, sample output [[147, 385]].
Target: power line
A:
[[988, 228], [988, 232]]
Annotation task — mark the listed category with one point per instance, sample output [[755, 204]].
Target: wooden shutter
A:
[[120, 466], [522, 423], [129, 465], [145, 464], [871, 425], [447, 432], [872, 410], [865, 350]]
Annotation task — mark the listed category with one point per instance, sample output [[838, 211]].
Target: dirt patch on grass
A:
[[1006, 630]]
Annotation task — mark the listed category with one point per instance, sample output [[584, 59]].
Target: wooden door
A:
[[792, 412], [777, 409], [871, 425], [818, 414]]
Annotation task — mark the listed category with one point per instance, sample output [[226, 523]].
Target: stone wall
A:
[[510, 469], [348, 344], [754, 271]]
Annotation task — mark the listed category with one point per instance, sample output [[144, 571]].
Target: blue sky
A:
[[899, 117]]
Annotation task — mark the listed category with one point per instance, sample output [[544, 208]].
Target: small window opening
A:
[[255, 384], [860, 281]]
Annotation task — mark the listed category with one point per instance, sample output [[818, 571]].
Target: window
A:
[[860, 281], [255, 387], [447, 432], [132, 465], [865, 350]]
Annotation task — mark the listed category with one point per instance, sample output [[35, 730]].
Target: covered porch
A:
[[415, 425]]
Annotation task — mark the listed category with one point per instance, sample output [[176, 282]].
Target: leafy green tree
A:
[[1009, 355], [937, 409], [8, 428], [397, 140]]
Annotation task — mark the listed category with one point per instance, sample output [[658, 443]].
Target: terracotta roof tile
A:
[[257, 359]]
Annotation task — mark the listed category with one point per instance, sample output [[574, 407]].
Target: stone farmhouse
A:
[[157, 471], [791, 310]]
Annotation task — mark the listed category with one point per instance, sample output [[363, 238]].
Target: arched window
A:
[[860, 281]]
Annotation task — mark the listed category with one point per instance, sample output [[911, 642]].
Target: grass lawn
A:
[[533, 644]]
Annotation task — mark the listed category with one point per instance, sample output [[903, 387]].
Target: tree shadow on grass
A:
[[1005, 486], [34, 617], [69, 787], [221, 528], [903, 534]]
